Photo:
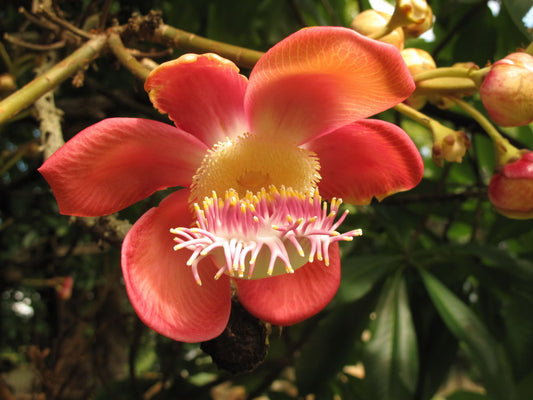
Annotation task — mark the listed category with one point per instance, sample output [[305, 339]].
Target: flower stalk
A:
[[505, 151]]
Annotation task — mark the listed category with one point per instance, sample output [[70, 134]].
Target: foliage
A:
[[435, 300]]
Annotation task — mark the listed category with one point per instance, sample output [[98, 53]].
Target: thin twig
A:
[[38, 21], [65, 24], [34, 46]]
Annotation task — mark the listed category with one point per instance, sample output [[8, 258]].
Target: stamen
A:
[[261, 235]]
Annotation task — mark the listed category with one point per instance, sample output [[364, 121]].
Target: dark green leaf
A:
[[331, 345], [483, 350], [391, 355]]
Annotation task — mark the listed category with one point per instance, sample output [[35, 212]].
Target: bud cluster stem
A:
[[505, 151]]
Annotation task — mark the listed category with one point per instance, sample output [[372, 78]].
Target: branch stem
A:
[[28, 94], [126, 58], [505, 151], [191, 42]]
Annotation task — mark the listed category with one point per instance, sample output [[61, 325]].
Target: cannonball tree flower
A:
[[507, 90], [256, 156]]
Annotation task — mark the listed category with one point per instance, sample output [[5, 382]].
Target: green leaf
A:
[[331, 346], [518, 10], [361, 273], [483, 350], [464, 395], [391, 355]]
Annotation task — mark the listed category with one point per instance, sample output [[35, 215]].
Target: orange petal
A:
[[160, 285], [202, 94], [367, 159], [322, 78], [291, 298], [119, 161]]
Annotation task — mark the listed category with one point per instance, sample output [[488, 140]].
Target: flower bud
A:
[[371, 21], [415, 29], [449, 145], [511, 188], [64, 288], [507, 91], [7, 83], [417, 61], [411, 11]]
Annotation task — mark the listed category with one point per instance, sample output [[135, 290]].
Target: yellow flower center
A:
[[250, 163], [270, 219]]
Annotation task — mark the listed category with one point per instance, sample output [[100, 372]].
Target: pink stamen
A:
[[243, 228]]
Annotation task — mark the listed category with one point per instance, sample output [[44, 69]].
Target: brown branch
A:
[[34, 46], [65, 24], [125, 57]]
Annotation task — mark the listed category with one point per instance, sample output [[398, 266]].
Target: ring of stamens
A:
[[254, 235]]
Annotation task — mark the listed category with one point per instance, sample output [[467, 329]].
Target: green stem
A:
[[449, 85], [125, 58], [415, 115], [190, 42], [24, 97], [505, 151], [453, 72], [430, 123]]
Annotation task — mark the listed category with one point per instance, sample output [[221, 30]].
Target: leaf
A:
[[361, 273], [464, 395], [391, 355], [518, 9], [331, 345], [483, 350]]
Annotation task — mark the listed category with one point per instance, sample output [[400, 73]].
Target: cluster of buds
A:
[[505, 88], [411, 18]]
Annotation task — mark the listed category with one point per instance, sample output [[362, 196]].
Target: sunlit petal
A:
[[201, 94], [367, 159], [119, 161], [291, 298], [322, 78], [160, 285]]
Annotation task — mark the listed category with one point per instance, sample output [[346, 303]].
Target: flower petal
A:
[[202, 94], [291, 298], [322, 78], [119, 161], [160, 285], [366, 159]]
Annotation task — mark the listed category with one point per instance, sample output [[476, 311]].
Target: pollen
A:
[[249, 163], [255, 236]]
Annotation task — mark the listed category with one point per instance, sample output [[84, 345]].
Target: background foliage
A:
[[436, 298]]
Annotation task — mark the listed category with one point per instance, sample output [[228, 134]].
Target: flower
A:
[[511, 187], [507, 90], [253, 156]]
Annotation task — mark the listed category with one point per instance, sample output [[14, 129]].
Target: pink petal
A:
[[202, 94], [291, 298], [119, 161], [366, 159], [322, 78], [160, 285]]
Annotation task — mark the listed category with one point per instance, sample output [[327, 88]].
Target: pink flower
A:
[[511, 188], [253, 153]]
